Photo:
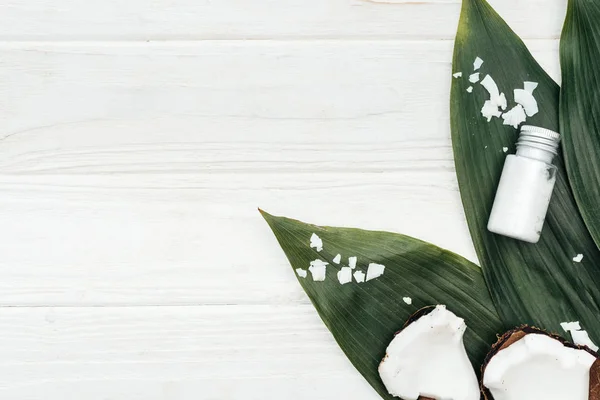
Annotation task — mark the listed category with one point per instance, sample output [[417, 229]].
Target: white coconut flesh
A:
[[539, 367], [428, 358]]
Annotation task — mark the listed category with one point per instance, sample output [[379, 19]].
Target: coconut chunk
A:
[[490, 109], [530, 86], [318, 269], [352, 262], [301, 272], [474, 78], [375, 271], [578, 258], [316, 242], [344, 275], [582, 338], [526, 99], [538, 366], [505, 149], [570, 326], [407, 300], [428, 358], [337, 259], [457, 75], [477, 63], [515, 117], [470, 89], [359, 276]]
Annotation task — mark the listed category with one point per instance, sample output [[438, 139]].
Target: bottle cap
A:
[[539, 138]]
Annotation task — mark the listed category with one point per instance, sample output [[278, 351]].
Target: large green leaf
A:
[[364, 317], [535, 284], [580, 106]]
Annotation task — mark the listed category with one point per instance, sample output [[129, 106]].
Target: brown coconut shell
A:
[[519, 333]]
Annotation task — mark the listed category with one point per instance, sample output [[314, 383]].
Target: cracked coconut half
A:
[[428, 359], [528, 363]]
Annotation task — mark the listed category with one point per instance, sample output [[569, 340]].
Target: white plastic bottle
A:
[[526, 185]]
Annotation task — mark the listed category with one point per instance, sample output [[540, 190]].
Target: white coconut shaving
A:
[[375, 271], [316, 242], [359, 276], [352, 262], [490, 109], [474, 78], [515, 117], [301, 272], [492, 88], [457, 75], [530, 86], [407, 300], [337, 259], [579, 336], [344, 275], [539, 367], [497, 101], [318, 269], [570, 326], [526, 99], [477, 63], [578, 258], [470, 89], [505, 149], [582, 338], [428, 358]]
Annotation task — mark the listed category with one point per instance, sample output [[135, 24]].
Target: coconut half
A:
[[528, 363], [428, 358]]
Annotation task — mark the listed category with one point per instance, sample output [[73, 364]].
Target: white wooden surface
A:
[[137, 139]]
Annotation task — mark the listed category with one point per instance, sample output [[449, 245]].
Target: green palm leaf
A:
[[363, 317], [535, 284], [580, 106]]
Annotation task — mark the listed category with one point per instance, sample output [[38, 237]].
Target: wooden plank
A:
[[174, 353], [130, 174], [267, 19]]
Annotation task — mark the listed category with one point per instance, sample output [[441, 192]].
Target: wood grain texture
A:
[[265, 19], [175, 353], [131, 174]]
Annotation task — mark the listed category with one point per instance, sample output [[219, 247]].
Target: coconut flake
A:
[[477, 63], [530, 86], [474, 78], [344, 275], [428, 358], [526, 99], [407, 300], [490, 85], [538, 366], [470, 89], [316, 242], [457, 75], [337, 259], [501, 102], [515, 117], [582, 338], [375, 271], [352, 262], [301, 272], [578, 258], [490, 110], [570, 326], [359, 276], [505, 149], [318, 268]]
